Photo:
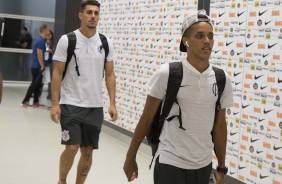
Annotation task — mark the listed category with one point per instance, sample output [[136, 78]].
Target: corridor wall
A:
[[248, 45]]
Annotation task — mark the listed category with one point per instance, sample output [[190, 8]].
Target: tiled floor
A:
[[30, 148]]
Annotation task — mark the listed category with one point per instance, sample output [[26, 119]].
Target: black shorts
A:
[[81, 125], [167, 174]]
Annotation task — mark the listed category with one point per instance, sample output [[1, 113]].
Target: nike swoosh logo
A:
[[240, 23], [217, 23], [276, 148], [261, 13], [239, 53], [262, 177], [266, 112], [245, 106], [265, 55], [279, 81], [257, 77], [267, 22], [234, 143], [220, 15], [240, 168], [270, 46], [216, 51], [235, 74], [233, 133], [259, 152], [247, 45], [239, 14], [235, 113], [237, 83], [260, 120], [263, 87], [254, 140], [227, 44], [231, 173]]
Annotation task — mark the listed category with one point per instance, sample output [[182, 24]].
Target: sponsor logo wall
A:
[[146, 34], [248, 44]]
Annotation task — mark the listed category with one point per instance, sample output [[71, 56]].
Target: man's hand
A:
[[113, 112], [55, 113], [219, 177], [42, 68], [130, 169]]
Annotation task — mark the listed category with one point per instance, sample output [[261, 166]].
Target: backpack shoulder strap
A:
[[105, 45], [220, 81], [70, 51], [173, 85]]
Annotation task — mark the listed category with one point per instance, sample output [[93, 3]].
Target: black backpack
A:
[[173, 85], [71, 47]]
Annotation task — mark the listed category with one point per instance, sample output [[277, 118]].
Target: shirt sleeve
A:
[[41, 45], [158, 83], [226, 99], [111, 54], [61, 49]]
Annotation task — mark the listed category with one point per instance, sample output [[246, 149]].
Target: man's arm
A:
[[58, 69], [40, 58], [110, 78], [1, 87], [220, 139], [150, 109]]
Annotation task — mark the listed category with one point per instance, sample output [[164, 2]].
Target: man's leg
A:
[[32, 86], [84, 164], [66, 162]]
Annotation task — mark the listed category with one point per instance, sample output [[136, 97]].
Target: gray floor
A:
[[30, 148]]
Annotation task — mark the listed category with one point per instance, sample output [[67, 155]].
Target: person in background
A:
[[37, 67], [25, 41], [184, 154], [80, 109], [49, 63]]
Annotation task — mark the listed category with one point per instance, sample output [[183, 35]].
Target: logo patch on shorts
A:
[[65, 135]]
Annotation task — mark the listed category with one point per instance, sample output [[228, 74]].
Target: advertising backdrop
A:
[[248, 45]]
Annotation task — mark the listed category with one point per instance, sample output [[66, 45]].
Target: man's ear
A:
[[185, 41], [80, 15]]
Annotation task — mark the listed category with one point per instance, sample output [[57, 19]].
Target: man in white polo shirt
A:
[[184, 154], [80, 111]]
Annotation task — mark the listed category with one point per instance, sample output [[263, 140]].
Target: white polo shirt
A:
[[192, 148], [84, 90]]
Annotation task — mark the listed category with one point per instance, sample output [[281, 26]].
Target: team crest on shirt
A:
[[65, 135], [100, 49], [215, 89]]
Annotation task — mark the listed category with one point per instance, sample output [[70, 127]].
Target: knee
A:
[[87, 151], [72, 149]]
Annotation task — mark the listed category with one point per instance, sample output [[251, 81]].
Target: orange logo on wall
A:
[[261, 46], [266, 145], [275, 13], [253, 14], [253, 173], [271, 79]]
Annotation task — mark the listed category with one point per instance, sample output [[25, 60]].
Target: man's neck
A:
[[198, 64], [87, 32]]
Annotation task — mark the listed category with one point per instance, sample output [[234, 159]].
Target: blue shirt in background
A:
[[39, 43]]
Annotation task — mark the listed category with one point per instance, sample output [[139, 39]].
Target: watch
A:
[[222, 170]]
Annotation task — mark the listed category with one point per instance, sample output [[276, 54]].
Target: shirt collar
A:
[[191, 68]]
